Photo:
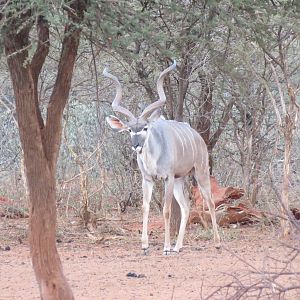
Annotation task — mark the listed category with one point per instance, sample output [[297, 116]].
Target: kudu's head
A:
[[137, 126]]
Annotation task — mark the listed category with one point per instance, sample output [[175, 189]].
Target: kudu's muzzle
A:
[[137, 144]]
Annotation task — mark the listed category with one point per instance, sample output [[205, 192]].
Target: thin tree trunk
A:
[[290, 119], [205, 107], [285, 185]]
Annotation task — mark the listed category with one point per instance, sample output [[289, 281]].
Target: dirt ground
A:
[[109, 263]]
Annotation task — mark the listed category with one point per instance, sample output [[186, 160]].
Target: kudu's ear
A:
[[116, 124]]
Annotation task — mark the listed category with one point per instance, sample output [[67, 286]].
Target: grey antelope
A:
[[165, 149]]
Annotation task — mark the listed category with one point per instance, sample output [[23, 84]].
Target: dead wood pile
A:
[[226, 212]]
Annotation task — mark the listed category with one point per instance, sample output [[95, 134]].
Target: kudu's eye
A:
[[129, 130], [145, 128]]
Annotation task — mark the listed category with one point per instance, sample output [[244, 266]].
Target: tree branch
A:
[[42, 48], [38, 61], [225, 118], [60, 93]]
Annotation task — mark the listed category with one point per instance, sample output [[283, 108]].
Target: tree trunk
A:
[[41, 143], [42, 227], [205, 105], [285, 186], [289, 131], [41, 185], [205, 108]]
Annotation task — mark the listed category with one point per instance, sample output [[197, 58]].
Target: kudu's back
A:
[[176, 148]]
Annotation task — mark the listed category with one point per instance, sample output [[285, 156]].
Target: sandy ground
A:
[[97, 265]]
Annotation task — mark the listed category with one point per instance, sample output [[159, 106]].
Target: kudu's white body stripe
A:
[[180, 136], [191, 140], [181, 132]]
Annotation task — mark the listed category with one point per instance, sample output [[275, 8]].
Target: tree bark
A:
[[290, 119], [285, 186], [40, 180], [205, 107], [41, 143]]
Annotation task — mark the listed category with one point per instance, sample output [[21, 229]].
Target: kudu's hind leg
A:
[[203, 181], [169, 184], [147, 193], [184, 208]]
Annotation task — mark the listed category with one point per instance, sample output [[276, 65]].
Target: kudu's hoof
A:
[[146, 251], [176, 251], [167, 252]]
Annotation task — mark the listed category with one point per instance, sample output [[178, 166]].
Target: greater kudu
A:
[[165, 149]]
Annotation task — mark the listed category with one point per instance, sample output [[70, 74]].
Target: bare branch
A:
[[42, 48], [62, 85], [162, 97], [279, 88], [222, 124]]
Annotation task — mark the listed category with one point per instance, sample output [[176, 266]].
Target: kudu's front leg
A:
[[169, 184], [147, 193]]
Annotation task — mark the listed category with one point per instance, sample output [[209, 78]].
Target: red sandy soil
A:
[[97, 264]]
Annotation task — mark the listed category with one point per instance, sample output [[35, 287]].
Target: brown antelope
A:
[[165, 149]]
